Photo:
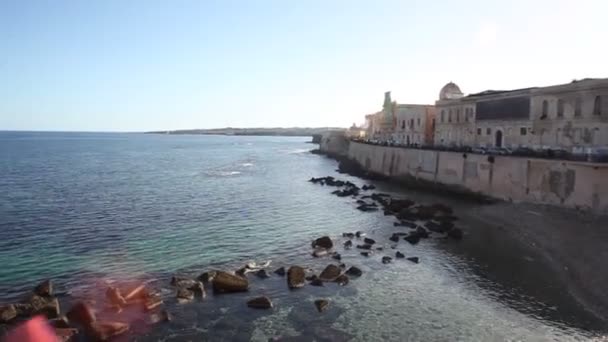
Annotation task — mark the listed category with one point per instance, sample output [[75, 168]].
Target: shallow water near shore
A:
[[83, 209]]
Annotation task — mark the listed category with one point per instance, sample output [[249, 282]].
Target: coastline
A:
[[565, 245]]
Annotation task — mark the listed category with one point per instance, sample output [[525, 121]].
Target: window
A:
[[403, 124], [488, 131], [597, 106], [412, 123], [418, 122], [458, 115], [560, 108], [442, 116], [545, 110], [479, 131], [523, 131], [578, 107], [450, 116]]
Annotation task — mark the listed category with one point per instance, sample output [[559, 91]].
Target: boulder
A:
[[399, 255], [319, 252], [354, 271], [323, 242], [330, 273], [369, 241], [280, 271], [342, 265], [348, 235], [423, 233], [367, 208], [365, 246], [425, 212], [44, 289], [379, 248], [103, 331], [61, 322], [394, 238], [409, 224], [161, 316], [114, 296], [295, 277], [182, 282], [7, 313], [359, 234], [415, 260], [412, 238], [386, 260], [366, 254], [81, 313], [348, 244], [65, 334], [199, 289], [311, 277], [455, 233], [342, 280], [316, 282], [45, 306], [337, 256], [207, 276], [260, 303], [321, 304], [184, 295], [262, 274], [226, 282]]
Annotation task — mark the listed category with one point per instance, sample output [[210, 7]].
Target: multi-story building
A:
[[571, 116]]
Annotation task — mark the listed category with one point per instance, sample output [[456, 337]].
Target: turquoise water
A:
[[85, 209]]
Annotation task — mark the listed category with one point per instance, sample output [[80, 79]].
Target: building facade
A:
[[570, 116]]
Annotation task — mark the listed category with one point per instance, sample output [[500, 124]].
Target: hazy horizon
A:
[[142, 66]]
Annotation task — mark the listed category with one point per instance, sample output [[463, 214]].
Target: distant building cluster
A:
[[568, 116]]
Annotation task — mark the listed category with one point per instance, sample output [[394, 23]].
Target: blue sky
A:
[[116, 65]]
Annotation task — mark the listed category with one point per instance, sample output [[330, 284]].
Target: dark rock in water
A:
[[330, 273], [61, 322], [323, 242], [455, 233], [406, 215], [81, 313], [414, 259], [262, 274], [184, 295], [24, 309], [182, 282], [319, 252], [366, 196], [359, 234], [337, 256], [412, 238], [366, 254], [207, 276], [396, 205], [295, 277], [342, 280], [394, 238], [387, 212], [367, 208], [65, 334], [423, 233], [161, 316], [361, 202], [316, 282], [354, 271], [399, 255], [226, 282], [443, 208], [280, 271], [115, 297], [438, 228], [386, 260], [260, 303], [369, 241], [348, 244], [343, 265], [242, 272], [7, 313], [311, 277], [365, 246], [379, 248], [321, 304], [425, 212], [45, 306], [103, 331], [348, 235], [368, 187], [198, 289], [409, 224], [44, 289]]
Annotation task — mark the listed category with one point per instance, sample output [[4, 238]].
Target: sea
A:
[[92, 209]]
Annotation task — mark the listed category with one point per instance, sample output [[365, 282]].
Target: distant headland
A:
[[277, 131]]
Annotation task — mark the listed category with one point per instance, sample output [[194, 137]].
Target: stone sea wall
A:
[[571, 184]]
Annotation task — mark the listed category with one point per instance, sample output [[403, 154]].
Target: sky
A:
[[115, 65]]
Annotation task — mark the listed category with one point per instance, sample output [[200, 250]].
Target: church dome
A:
[[450, 91]]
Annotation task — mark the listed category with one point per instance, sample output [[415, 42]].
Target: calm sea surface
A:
[[85, 209]]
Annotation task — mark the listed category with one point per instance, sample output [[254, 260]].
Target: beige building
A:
[[414, 124], [571, 116]]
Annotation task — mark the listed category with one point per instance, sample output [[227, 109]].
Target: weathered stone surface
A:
[[207, 277], [323, 242], [199, 289], [296, 277], [330, 273], [455, 233], [321, 304], [103, 331], [183, 282], [280, 271], [260, 303], [65, 334], [369, 241], [399, 255], [354, 271], [226, 282], [81, 313], [319, 252], [348, 244], [342, 280], [365, 246], [386, 260], [262, 274], [115, 297], [45, 306], [44, 289], [184, 295], [7, 313], [414, 259]]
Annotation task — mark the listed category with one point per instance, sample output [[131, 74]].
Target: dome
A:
[[450, 91]]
